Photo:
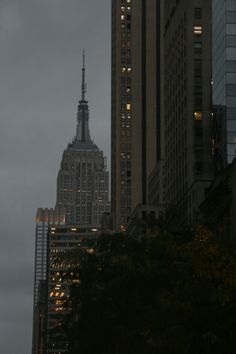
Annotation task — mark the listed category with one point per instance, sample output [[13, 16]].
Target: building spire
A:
[[82, 134], [83, 88]]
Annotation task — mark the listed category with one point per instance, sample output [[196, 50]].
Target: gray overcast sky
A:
[[41, 43]]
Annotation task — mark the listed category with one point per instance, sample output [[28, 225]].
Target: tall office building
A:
[[224, 76], [83, 181], [62, 273], [44, 218], [188, 110], [135, 124]]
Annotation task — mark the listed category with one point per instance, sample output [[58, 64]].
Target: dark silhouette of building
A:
[[188, 109], [136, 101]]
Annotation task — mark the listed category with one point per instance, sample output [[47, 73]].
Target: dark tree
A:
[[165, 293]]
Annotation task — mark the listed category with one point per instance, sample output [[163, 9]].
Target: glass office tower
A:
[[224, 69]]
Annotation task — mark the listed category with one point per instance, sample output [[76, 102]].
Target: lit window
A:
[[122, 8], [197, 30], [128, 106], [122, 17], [122, 228], [123, 70], [198, 116], [129, 70]]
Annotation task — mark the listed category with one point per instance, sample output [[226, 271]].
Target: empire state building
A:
[[83, 181]]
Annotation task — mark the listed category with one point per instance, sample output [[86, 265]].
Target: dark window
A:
[[231, 113], [197, 67], [198, 102], [231, 16], [198, 130], [231, 41], [197, 47], [197, 13], [231, 90], [231, 125], [198, 167], [231, 66], [231, 137]]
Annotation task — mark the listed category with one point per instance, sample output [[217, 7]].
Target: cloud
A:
[[10, 20]]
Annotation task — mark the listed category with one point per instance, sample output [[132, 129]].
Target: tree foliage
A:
[[165, 293]]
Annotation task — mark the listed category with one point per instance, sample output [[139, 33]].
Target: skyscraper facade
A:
[[62, 273], [224, 71], [188, 109], [83, 181], [44, 218], [135, 133]]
